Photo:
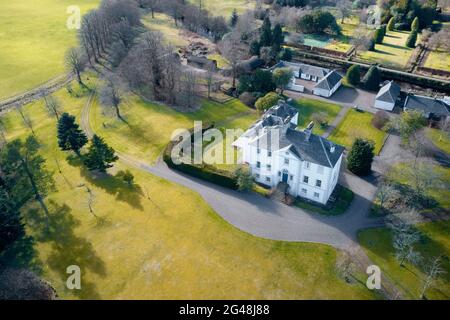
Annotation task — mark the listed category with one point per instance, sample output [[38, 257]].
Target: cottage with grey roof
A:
[[431, 108], [388, 96], [277, 152]]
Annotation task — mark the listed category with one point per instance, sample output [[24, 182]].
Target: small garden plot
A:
[[357, 124], [311, 109], [392, 52], [438, 60]]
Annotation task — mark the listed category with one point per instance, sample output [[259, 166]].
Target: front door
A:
[[285, 177]]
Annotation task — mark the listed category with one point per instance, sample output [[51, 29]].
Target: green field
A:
[[34, 39], [225, 7], [150, 126], [307, 107], [357, 124], [157, 239], [435, 242], [392, 52], [440, 139], [438, 60], [163, 23]]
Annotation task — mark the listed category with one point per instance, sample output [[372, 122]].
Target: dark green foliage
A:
[[234, 18], [285, 54], [371, 45], [359, 160], [70, 136], [292, 3], [126, 176], [277, 38], [372, 79], [11, 227], [100, 156], [261, 82], [266, 33], [415, 24], [255, 48], [378, 35], [354, 75], [412, 38], [319, 22]]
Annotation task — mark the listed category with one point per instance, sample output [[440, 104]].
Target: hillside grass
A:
[[357, 124], [440, 139], [34, 38], [156, 240]]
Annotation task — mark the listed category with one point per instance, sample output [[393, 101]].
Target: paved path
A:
[[265, 218]]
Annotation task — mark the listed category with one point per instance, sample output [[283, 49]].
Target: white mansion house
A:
[[277, 152]]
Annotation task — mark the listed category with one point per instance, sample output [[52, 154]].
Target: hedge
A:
[[203, 171]]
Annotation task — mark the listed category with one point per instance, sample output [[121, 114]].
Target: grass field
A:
[[165, 24], [150, 126], [225, 7], [435, 242], [34, 39], [307, 107], [440, 139], [392, 52], [357, 124], [438, 60], [157, 239]]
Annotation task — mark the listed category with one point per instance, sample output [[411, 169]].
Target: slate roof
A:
[[389, 92], [305, 145], [303, 68], [427, 105], [282, 110], [330, 81]]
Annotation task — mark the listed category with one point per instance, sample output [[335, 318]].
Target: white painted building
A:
[[277, 152], [328, 81], [388, 96]]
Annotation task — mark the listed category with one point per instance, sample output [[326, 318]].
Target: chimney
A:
[[308, 130]]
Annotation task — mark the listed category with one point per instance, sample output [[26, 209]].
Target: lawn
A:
[[157, 240], [435, 242], [440, 139], [392, 52], [225, 7], [357, 124], [150, 125], [438, 60], [307, 107], [163, 23], [34, 39]]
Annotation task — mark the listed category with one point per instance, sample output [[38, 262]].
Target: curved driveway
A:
[[266, 218]]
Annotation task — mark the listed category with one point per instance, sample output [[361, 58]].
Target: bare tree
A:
[[53, 106], [187, 96], [209, 79], [345, 9], [432, 271], [26, 119], [386, 191], [112, 93], [75, 63], [234, 53], [361, 39]]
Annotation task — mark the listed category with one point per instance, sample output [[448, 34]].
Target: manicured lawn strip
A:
[[307, 107], [435, 242], [157, 240], [165, 24], [225, 7], [357, 124], [438, 60], [440, 139], [34, 38], [345, 197], [392, 52]]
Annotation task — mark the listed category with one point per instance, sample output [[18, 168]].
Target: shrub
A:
[[371, 45], [380, 119], [359, 160], [243, 178], [248, 99], [378, 36], [267, 101], [412, 38], [372, 79], [285, 54], [415, 24], [391, 24], [353, 75]]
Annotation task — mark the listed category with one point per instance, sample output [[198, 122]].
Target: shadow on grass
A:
[[66, 248], [112, 185]]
